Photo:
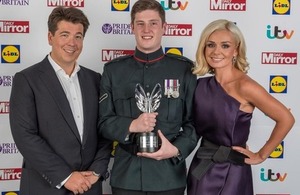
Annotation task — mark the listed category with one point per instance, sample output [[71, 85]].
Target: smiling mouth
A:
[[70, 51], [147, 37], [216, 59]]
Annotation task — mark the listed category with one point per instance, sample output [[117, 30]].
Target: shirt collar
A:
[[150, 57], [57, 68]]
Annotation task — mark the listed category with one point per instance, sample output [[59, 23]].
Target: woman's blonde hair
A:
[[240, 62]]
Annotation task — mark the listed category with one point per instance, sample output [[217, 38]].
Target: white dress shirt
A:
[[72, 90]]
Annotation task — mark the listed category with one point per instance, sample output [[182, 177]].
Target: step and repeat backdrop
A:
[[271, 29]]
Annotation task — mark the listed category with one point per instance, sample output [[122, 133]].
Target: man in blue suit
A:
[[54, 113]]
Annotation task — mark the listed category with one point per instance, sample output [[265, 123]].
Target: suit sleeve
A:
[[102, 157]]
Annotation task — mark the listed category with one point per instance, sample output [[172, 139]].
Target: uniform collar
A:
[[150, 57]]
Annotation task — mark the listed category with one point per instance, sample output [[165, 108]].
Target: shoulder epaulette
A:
[[119, 59], [179, 57]]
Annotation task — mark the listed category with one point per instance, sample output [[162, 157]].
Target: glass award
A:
[[146, 102]]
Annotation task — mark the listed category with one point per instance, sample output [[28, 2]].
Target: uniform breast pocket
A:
[[171, 109], [124, 101]]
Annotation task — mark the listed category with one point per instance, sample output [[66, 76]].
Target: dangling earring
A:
[[233, 59]]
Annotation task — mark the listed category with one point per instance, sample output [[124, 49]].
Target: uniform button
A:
[[147, 86]]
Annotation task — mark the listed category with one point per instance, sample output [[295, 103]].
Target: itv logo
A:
[[276, 33], [269, 175], [174, 5]]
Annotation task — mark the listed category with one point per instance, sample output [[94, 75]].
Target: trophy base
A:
[[147, 142]]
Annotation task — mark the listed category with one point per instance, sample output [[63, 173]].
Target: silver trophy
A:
[[148, 141]]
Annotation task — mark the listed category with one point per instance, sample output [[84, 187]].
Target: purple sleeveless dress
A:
[[219, 120]]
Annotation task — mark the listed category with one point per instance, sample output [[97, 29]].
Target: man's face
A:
[[148, 30], [67, 43]]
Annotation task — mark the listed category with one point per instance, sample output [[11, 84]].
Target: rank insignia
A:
[[172, 88]]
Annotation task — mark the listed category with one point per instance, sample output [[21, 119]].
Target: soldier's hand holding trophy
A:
[[148, 141]]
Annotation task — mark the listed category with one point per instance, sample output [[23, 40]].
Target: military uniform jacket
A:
[[118, 108]]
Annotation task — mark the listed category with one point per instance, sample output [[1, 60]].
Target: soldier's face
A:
[[148, 30]]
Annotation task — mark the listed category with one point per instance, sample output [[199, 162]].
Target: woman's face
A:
[[220, 49]]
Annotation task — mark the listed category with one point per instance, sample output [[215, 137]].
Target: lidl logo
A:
[[10, 53], [10, 193], [278, 84], [281, 7], [278, 152], [174, 50], [120, 5]]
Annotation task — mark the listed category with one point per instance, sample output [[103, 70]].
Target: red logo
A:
[[14, 26], [179, 30], [67, 3], [4, 107], [279, 58], [228, 5], [10, 174], [109, 54]]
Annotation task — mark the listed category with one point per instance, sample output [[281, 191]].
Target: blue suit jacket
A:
[[46, 134]]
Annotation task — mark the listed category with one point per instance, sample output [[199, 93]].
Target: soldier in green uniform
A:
[[163, 171]]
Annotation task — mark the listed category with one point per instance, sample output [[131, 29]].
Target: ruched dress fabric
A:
[[218, 119]]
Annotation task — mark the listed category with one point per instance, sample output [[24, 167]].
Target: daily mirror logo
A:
[[67, 3], [110, 54], [179, 30], [10, 174], [284, 58], [4, 107], [228, 5], [14, 26]]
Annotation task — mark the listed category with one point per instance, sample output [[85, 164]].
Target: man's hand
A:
[[90, 176], [167, 150], [78, 183], [144, 123]]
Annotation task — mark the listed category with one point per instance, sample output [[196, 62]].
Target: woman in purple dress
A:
[[223, 107]]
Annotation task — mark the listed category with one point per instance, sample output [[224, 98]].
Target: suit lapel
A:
[[53, 85]]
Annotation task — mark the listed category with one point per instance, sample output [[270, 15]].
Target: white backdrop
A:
[[271, 29]]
